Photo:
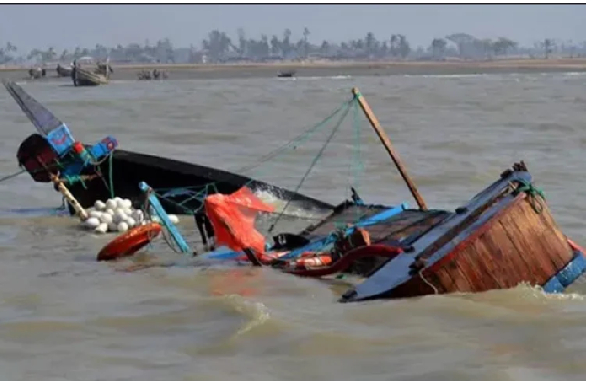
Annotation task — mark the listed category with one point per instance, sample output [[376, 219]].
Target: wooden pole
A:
[[82, 213], [388, 147]]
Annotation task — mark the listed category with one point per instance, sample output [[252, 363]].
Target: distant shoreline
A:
[[332, 68]]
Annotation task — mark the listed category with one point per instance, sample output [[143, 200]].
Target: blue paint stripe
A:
[[573, 270], [553, 286], [160, 212], [223, 255], [372, 220], [567, 275]]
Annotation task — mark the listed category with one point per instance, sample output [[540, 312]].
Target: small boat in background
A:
[[86, 77], [83, 77], [64, 71], [286, 74], [147, 75], [37, 73]]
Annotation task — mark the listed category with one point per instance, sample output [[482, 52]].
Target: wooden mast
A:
[[388, 147]]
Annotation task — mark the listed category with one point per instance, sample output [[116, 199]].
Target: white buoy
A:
[[96, 214], [127, 211], [111, 204], [102, 228], [91, 222], [131, 222], [127, 203], [120, 204], [110, 211], [99, 205], [122, 226], [174, 219], [106, 217], [138, 215]]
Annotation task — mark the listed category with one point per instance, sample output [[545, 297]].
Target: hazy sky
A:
[[67, 26]]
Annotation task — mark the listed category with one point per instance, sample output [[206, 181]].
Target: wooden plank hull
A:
[[84, 77], [127, 169], [497, 241]]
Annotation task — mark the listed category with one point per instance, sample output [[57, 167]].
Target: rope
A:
[[531, 191], [110, 175], [298, 139], [206, 189], [314, 162], [435, 290], [357, 159], [12, 175]]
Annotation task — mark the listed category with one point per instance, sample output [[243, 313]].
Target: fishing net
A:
[[304, 152]]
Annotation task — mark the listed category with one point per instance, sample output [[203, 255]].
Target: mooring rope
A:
[[8, 177], [531, 191], [435, 290], [314, 162]]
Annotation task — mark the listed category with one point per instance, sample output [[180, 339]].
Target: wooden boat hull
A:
[[82, 77], [500, 239], [127, 169], [124, 170], [380, 222], [286, 74]]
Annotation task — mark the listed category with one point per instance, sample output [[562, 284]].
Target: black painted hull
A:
[[130, 168]]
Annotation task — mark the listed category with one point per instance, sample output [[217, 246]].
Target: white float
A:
[[118, 215]]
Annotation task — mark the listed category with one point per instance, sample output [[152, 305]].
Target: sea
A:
[[64, 316]]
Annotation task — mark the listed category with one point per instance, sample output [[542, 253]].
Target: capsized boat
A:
[[100, 171], [504, 236]]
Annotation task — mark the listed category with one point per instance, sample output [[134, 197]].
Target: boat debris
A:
[[502, 237]]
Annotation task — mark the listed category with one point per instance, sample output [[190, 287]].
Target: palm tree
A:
[[306, 33]]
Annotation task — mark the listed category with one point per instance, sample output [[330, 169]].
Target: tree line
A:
[[218, 47]]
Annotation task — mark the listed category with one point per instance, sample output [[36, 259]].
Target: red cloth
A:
[[233, 217]]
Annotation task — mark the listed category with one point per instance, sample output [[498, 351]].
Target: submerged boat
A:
[[504, 236], [100, 171]]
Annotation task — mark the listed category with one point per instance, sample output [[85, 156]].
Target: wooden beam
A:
[[60, 186], [388, 147]]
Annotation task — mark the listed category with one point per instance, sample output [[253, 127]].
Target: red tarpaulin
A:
[[233, 217]]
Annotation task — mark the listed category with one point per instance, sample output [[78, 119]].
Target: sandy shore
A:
[[330, 68]]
